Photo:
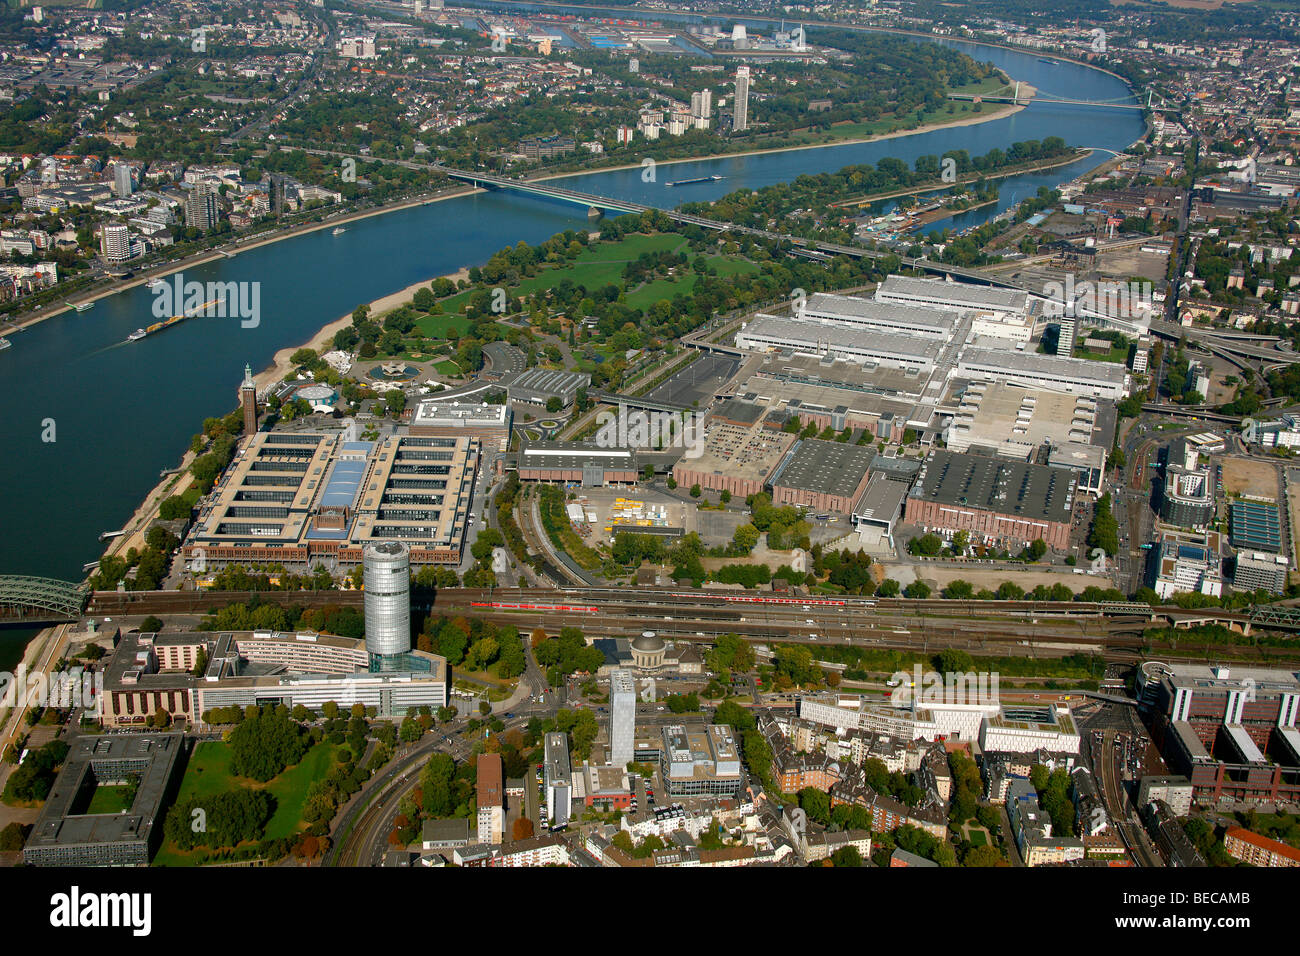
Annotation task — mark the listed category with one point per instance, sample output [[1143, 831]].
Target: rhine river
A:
[[123, 412]]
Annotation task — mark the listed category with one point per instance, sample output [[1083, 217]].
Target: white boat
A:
[[136, 336], [155, 283], [4, 344], [338, 231]]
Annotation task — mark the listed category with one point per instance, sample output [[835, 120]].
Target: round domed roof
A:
[[648, 641]]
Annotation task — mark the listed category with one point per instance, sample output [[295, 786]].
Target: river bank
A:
[[1001, 113], [112, 287], [322, 341]]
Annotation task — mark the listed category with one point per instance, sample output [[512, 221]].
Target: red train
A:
[[535, 607]]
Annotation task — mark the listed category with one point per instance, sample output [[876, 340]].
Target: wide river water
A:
[[122, 412]]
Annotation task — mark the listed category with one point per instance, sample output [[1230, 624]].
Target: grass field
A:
[[110, 800], [209, 773], [447, 367], [598, 266], [437, 326]]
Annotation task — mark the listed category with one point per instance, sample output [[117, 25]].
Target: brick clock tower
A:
[[248, 401]]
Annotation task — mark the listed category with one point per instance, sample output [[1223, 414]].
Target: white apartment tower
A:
[[741, 115]]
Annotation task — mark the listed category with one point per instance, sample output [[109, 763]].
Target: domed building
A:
[[648, 651]]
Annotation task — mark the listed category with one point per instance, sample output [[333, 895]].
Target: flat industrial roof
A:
[[997, 484], [820, 338], [970, 296], [825, 467], [858, 311]]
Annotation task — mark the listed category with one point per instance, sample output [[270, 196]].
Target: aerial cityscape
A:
[[734, 434]]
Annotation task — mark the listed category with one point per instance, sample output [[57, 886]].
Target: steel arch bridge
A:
[[24, 598]]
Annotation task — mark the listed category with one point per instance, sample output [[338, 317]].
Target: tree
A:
[[695, 490], [554, 404], [265, 743], [745, 538], [917, 590], [151, 625]]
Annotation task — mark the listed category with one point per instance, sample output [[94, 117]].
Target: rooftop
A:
[[825, 467], [994, 484]]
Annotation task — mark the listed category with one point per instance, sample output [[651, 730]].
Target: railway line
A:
[[984, 628]]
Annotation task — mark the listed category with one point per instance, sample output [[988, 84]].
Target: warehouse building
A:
[[944, 294], [1069, 431], [735, 458], [824, 476], [872, 315], [889, 349], [586, 464], [1032, 370], [880, 506], [1009, 503], [488, 423]]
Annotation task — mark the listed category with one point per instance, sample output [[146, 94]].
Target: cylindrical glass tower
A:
[[387, 568]]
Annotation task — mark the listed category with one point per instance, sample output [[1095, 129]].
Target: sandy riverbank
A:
[[322, 341]]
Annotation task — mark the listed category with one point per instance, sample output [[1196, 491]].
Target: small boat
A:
[[136, 336], [81, 306], [4, 344], [1048, 62], [338, 231], [155, 283]]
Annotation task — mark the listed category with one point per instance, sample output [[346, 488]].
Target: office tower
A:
[[559, 779], [634, 65], [490, 792], [741, 115], [114, 242], [122, 180], [201, 208], [622, 717], [248, 401], [387, 570], [1065, 342]]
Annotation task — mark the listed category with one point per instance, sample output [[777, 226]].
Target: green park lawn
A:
[[209, 773], [599, 265]]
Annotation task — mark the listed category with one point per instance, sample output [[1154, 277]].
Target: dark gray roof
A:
[[996, 484], [826, 467]]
